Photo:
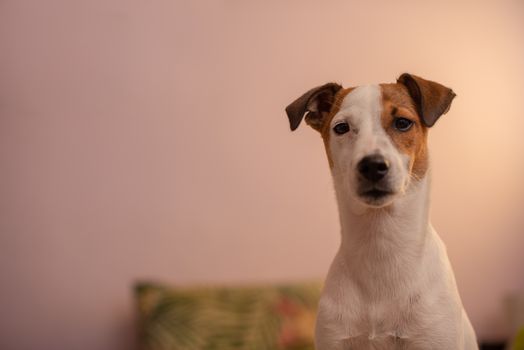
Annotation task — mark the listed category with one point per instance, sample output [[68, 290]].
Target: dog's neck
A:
[[387, 244]]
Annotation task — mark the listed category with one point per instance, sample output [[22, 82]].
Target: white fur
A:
[[390, 285]]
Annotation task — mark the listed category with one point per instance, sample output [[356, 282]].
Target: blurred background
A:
[[147, 140]]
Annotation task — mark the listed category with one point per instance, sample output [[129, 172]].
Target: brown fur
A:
[[431, 99], [326, 127], [396, 102]]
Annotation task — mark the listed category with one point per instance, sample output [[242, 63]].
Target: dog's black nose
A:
[[373, 168]]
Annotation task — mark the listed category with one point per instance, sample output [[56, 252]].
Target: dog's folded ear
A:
[[315, 104], [432, 99]]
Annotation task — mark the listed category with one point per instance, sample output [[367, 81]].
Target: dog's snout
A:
[[373, 168]]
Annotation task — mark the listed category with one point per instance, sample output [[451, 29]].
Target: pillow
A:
[[205, 318]]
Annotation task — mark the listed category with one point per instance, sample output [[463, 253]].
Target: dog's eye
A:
[[341, 128], [402, 124]]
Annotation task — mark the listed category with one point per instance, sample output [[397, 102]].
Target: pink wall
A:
[[147, 139]]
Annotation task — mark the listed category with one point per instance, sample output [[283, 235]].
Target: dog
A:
[[390, 285]]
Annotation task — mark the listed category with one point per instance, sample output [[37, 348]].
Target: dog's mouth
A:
[[376, 193], [376, 196]]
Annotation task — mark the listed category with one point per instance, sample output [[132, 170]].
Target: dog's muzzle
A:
[[372, 172]]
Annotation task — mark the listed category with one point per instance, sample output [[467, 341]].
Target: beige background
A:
[[147, 140]]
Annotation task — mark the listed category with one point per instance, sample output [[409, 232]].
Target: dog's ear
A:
[[432, 99], [316, 103]]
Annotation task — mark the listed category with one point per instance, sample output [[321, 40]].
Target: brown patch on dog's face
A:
[[396, 103], [326, 128]]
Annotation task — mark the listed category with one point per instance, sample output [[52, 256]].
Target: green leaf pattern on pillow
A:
[[255, 318]]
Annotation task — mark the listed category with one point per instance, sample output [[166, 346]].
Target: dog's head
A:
[[375, 135]]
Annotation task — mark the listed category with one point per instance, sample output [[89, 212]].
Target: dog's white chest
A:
[[377, 334], [375, 342], [370, 332], [379, 325]]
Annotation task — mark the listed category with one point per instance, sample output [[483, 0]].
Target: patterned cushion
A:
[[518, 342], [265, 318]]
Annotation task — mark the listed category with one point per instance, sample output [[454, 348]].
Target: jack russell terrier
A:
[[390, 285]]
